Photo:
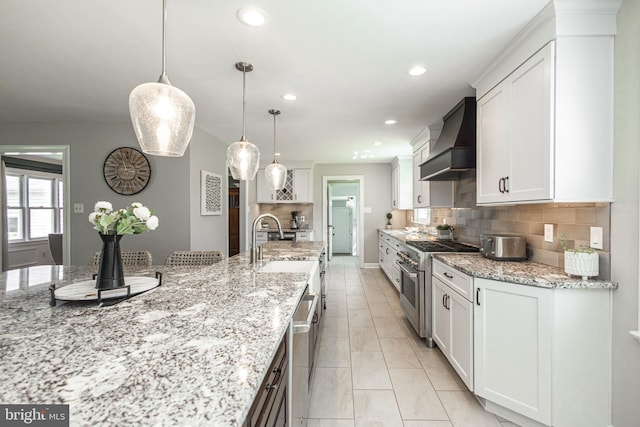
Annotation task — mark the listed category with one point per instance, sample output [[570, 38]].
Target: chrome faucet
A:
[[254, 249]]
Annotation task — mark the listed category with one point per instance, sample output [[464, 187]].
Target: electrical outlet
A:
[[548, 233], [301, 218], [78, 208], [596, 238]]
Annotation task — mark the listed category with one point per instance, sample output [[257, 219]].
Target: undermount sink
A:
[[287, 266]]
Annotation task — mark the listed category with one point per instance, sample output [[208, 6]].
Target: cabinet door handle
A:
[[448, 305], [420, 198], [501, 185], [272, 196], [447, 275], [387, 250], [394, 203], [506, 184], [444, 296], [477, 296]]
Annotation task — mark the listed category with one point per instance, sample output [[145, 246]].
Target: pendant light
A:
[[162, 115], [242, 156], [276, 173]]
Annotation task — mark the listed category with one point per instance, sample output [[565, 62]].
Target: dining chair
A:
[[193, 258], [129, 259]]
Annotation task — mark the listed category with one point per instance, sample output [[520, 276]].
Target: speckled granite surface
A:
[[191, 352], [404, 235], [524, 273]]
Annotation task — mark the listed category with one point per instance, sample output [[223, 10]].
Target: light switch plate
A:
[[596, 238], [78, 208], [548, 233]]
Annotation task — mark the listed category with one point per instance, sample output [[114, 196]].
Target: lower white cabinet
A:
[[453, 326], [387, 254], [304, 236], [544, 354]]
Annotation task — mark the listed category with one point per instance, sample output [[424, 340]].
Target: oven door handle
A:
[[406, 271]]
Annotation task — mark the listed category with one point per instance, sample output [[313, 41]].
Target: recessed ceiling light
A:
[[390, 122], [417, 70], [252, 16], [377, 143], [276, 154], [289, 97]]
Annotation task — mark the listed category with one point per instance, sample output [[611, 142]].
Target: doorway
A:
[[234, 217], [21, 241], [342, 215]]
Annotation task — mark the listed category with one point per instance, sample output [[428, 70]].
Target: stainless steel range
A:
[[414, 261]]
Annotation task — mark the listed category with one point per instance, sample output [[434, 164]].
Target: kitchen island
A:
[[191, 352]]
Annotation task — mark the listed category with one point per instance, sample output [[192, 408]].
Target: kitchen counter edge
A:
[[521, 272]]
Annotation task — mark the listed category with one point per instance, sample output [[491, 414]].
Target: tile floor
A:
[[373, 370]]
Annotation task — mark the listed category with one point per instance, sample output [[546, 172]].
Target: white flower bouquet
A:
[[134, 219]]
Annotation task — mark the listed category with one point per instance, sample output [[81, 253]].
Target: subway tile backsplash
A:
[[571, 219]]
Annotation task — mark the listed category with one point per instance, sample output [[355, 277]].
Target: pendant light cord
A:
[[244, 104], [163, 76], [274, 138]]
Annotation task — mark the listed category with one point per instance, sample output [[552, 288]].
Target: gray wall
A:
[[168, 192], [377, 196], [209, 232], [624, 219]]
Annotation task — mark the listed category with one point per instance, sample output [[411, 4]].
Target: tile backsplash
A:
[[570, 219], [282, 211]]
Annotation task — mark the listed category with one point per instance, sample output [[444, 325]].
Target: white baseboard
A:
[[371, 265]]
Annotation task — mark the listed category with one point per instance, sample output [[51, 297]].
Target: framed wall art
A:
[[210, 193]]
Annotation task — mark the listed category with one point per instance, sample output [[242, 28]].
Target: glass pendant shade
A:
[[243, 158], [163, 117], [276, 174]]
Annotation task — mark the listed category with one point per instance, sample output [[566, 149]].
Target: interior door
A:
[[342, 220]]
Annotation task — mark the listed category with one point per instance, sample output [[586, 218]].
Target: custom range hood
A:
[[455, 150]]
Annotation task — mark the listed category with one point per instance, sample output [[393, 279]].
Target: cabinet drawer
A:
[[455, 279], [303, 236], [275, 381]]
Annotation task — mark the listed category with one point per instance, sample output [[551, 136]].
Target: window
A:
[[34, 205], [422, 216]]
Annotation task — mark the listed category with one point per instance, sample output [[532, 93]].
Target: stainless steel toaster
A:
[[503, 247]]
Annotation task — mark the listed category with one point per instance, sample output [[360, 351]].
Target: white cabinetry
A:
[[544, 116], [515, 140], [297, 188], [453, 319], [429, 193], [304, 236], [387, 253], [261, 237], [535, 354], [401, 183]]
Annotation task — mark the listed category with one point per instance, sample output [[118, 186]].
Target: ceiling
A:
[[346, 60]]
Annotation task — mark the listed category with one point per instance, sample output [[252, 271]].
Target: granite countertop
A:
[[404, 235], [191, 352], [524, 272]]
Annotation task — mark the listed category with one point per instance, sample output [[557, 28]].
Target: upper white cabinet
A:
[[429, 193], [297, 188], [545, 111], [401, 184], [514, 137]]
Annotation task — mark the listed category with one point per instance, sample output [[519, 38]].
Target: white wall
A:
[[377, 196], [168, 192], [624, 219]]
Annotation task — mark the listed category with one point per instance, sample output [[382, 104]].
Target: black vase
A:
[[110, 274]]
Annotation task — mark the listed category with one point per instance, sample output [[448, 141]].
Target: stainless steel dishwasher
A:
[[302, 358]]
